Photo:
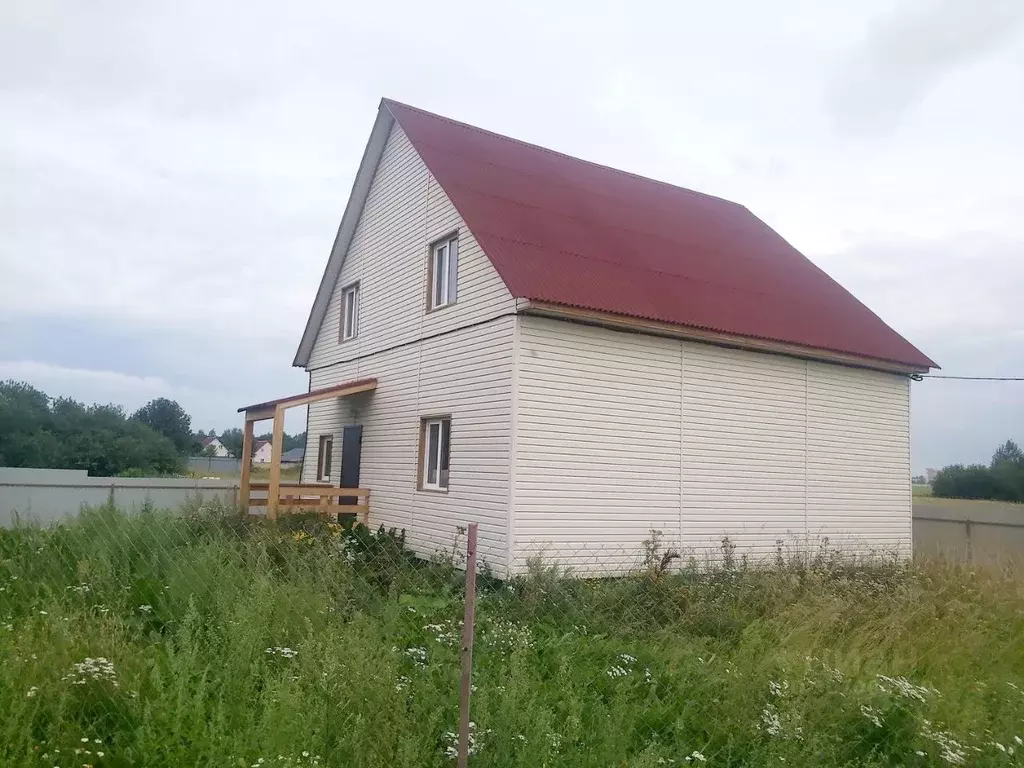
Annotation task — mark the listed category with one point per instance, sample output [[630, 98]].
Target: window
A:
[[323, 458], [444, 270], [350, 312], [435, 441]]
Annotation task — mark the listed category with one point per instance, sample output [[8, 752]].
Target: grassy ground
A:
[[921, 490], [197, 640], [259, 473]]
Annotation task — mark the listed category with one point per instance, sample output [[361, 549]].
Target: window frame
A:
[[443, 481], [352, 289], [321, 465], [450, 297]]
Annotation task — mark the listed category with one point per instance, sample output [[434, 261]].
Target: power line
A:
[[919, 377]]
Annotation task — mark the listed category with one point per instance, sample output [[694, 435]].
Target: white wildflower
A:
[[770, 721], [282, 651], [904, 688], [92, 669], [147, 608], [872, 714], [696, 755], [616, 671], [31, 692]]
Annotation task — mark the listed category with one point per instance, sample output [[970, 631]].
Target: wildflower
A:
[[872, 714], [403, 683], [43, 613], [31, 692], [616, 671], [778, 689], [903, 688], [146, 608], [418, 655], [283, 652], [770, 721], [92, 669], [696, 755]]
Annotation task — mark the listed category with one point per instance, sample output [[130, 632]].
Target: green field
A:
[[201, 639]]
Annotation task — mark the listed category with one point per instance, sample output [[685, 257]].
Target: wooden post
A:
[[243, 489], [465, 684], [274, 493]]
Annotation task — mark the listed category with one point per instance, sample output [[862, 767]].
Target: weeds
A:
[[205, 639]]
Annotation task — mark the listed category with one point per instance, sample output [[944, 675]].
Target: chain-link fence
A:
[[202, 637]]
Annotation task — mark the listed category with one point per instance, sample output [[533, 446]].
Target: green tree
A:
[[1008, 452], [169, 419], [37, 431], [232, 440]]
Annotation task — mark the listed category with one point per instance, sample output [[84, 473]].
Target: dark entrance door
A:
[[351, 451]]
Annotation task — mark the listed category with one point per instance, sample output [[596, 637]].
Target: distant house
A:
[[294, 456], [573, 356], [261, 452], [216, 445], [931, 473]]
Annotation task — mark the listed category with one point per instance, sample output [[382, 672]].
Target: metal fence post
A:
[[465, 684]]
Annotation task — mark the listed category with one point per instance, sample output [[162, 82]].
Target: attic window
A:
[[350, 312], [444, 270]]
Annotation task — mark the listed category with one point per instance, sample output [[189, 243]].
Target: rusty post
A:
[[465, 684]]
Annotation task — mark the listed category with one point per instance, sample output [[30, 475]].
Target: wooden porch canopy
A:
[[274, 409]]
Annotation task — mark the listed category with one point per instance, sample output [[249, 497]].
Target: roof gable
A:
[[569, 232]]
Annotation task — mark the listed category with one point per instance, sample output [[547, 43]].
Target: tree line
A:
[[1001, 480], [37, 430]]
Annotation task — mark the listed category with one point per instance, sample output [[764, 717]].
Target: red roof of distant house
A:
[[566, 231], [207, 440]]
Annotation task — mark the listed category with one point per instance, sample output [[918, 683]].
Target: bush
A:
[[959, 482], [1003, 482]]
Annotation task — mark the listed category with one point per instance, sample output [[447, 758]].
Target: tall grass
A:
[[201, 639]]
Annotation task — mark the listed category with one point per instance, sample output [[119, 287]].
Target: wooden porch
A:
[[278, 497]]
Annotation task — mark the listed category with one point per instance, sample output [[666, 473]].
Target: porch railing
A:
[[325, 499]]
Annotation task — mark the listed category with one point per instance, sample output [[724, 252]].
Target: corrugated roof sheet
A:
[[566, 231]]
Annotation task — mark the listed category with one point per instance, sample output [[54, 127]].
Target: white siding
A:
[[466, 373], [618, 434], [743, 461], [405, 211], [858, 458], [597, 463]]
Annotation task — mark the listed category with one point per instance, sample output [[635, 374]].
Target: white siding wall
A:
[[406, 210], [597, 448], [618, 434], [467, 374]]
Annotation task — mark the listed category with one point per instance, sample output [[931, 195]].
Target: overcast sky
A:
[[172, 174]]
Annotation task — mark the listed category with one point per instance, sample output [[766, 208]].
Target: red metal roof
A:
[[563, 230]]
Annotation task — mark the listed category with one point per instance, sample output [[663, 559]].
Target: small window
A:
[[350, 312], [435, 440], [444, 270], [324, 457]]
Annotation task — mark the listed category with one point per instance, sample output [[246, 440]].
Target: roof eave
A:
[[718, 338]]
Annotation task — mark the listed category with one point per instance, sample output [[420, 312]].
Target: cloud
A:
[[908, 52], [168, 201], [87, 384]]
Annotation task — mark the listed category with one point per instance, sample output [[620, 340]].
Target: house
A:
[[213, 446], [294, 456], [572, 356], [261, 452], [931, 474]]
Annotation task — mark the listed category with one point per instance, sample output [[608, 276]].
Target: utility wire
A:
[[919, 377]]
